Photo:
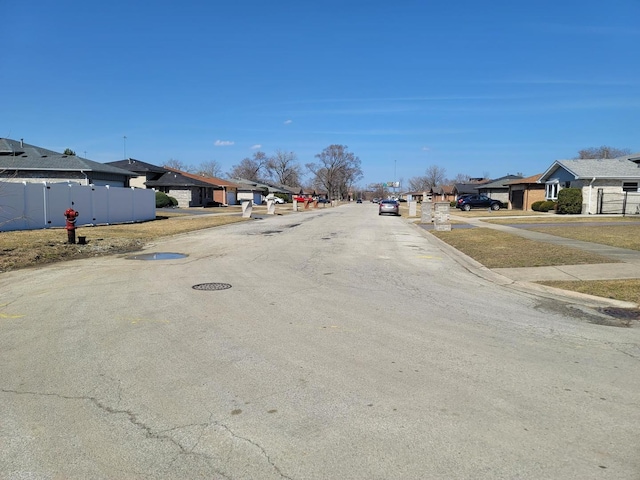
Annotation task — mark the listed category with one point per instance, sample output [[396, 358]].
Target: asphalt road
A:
[[348, 346]]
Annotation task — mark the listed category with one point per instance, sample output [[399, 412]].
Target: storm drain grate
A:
[[211, 286]]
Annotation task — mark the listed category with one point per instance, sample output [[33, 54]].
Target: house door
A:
[[517, 199]]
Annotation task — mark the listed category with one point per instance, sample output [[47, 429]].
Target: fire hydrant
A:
[[71, 216]]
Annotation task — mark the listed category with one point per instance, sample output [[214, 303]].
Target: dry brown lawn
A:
[[27, 248], [495, 249], [626, 290], [555, 219], [621, 236]]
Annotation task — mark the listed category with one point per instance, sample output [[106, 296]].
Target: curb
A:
[[476, 268]]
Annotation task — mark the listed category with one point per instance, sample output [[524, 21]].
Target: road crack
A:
[[162, 435]]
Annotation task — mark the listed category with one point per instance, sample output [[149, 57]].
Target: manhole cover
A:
[[211, 286], [157, 256]]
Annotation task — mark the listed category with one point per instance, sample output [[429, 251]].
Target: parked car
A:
[[359, 200], [389, 206], [324, 200], [467, 202], [276, 199]]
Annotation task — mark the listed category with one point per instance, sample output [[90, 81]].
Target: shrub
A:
[[548, 205], [535, 206], [164, 200], [570, 201]]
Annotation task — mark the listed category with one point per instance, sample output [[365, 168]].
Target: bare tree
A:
[[283, 168], [603, 151], [250, 168], [336, 171], [419, 184], [376, 190], [209, 169], [459, 178], [433, 176], [176, 164]]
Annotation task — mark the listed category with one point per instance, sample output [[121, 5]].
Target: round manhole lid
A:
[[212, 286]]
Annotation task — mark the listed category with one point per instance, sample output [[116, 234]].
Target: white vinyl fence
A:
[[30, 206], [625, 203]]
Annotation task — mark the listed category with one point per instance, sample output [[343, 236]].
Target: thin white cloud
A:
[[223, 143], [425, 149], [288, 122], [256, 146]]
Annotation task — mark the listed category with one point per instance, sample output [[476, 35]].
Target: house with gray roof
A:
[[21, 162], [144, 171], [498, 189], [605, 182], [188, 189], [250, 190]]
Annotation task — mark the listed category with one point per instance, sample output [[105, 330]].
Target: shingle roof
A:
[[16, 155], [178, 179], [137, 166], [245, 184], [620, 167], [461, 188], [521, 181], [502, 182], [211, 180]]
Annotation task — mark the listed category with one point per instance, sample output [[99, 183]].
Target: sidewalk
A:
[[628, 268], [524, 279]]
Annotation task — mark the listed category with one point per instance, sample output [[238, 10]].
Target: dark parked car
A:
[[467, 202], [389, 206], [324, 200]]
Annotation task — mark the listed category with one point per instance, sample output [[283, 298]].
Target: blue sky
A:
[[477, 88]]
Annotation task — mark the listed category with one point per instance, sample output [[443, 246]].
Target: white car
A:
[[275, 199]]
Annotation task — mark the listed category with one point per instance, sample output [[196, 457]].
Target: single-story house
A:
[[524, 192], [250, 190], [609, 185], [188, 189], [443, 193], [498, 189], [227, 195], [413, 196], [21, 162], [283, 190], [468, 188], [144, 171]]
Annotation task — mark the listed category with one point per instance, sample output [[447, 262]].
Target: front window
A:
[[551, 190], [630, 187]]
